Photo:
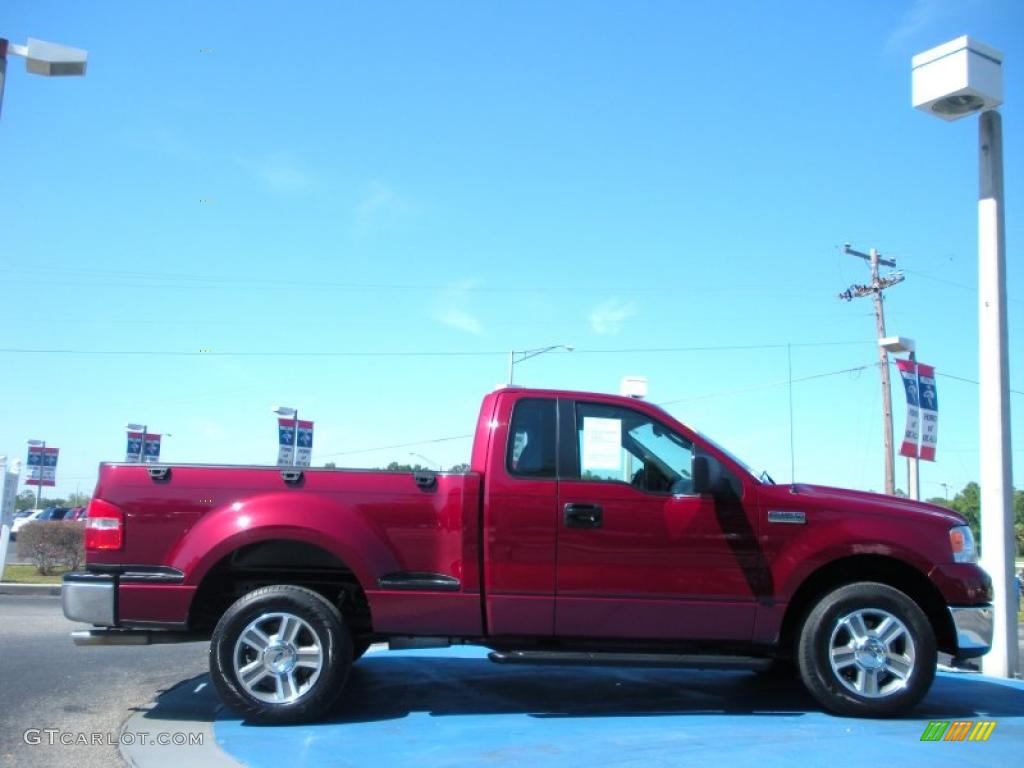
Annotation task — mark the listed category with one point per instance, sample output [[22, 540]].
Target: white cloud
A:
[[921, 15], [211, 431], [462, 320], [608, 316], [452, 309], [279, 173], [381, 205]]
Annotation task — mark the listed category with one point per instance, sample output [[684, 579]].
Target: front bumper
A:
[[973, 629], [91, 598]]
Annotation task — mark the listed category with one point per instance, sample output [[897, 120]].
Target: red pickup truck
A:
[[590, 529]]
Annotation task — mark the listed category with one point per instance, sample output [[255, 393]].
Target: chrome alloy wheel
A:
[[872, 653], [278, 658]]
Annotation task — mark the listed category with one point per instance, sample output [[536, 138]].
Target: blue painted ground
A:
[[442, 709]]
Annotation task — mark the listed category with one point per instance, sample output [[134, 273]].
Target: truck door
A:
[[639, 555], [520, 518]]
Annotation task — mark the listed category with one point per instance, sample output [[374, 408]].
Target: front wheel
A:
[[867, 649], [280, 654]]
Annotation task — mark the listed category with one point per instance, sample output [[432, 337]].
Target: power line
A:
[[409, 353], [193, 281], [398, 445], [971, 381], [769, 385]]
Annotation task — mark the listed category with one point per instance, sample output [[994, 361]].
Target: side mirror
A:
[[710, 478], [707, 474]]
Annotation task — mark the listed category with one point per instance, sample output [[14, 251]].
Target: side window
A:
[[531, 439], [621, 445]]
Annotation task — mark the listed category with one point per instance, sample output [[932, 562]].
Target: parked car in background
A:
[[52, 514], [77, 514], [26, 516]]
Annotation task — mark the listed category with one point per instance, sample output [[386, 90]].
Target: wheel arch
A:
[[891, 571], [279, 560]]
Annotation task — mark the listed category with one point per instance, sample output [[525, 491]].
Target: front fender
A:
[[833, 539]]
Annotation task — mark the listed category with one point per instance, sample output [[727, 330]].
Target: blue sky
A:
[[469, 178]]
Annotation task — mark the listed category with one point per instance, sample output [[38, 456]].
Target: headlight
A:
[[961, 540]]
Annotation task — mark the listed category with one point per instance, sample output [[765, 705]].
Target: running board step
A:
[[585, 658]]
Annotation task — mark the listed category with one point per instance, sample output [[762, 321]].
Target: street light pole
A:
[[42, 469], [3, 70], [428, 460], [42, 58], [913, 468], [997, 540], [526, 354], [953, 80]]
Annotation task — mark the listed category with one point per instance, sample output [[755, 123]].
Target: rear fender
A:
[[310, 518]]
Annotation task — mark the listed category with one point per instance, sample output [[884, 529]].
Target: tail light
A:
[[104, 526]]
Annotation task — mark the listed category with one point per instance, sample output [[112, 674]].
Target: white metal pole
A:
[[42, 468], [3, 70], [997, 540], [511, 364], [913, 478]]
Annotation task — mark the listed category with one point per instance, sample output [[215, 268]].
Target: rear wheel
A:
[[867, 649], [280, 654], [359, 647]]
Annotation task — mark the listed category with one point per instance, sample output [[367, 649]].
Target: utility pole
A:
[[879, 284]]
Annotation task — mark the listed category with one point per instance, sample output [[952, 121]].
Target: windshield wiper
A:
[[765, 477]]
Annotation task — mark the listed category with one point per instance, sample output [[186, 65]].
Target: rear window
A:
[[531, 439]]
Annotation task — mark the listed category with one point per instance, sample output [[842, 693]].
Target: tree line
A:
[[968, 504]]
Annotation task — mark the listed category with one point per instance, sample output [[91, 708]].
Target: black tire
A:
[[780, 669], [887, 670], [300, 694], [359, 647]]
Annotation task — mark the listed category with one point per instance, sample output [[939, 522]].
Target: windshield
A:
[[763, 477]]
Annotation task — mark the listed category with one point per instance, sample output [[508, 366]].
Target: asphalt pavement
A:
[[449, 707], [46, 682], [12, 554]]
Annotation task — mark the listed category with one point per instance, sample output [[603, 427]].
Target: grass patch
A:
[[29, 574]]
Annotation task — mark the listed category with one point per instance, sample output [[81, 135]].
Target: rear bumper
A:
[[973, 629], [90, 598]]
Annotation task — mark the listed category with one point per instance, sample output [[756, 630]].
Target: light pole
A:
[[41, 444], [429, 461], [897, 344], [293, 414], [953, 80], [526, 354], [42, 58]]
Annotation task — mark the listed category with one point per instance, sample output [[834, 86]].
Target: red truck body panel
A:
[[659, 567]]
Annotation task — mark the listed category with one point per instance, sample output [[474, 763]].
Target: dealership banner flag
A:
[[305, 444], [133, 449], [152, 449], [42, 466], [285, 441], [908, 372], [929, 411]]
